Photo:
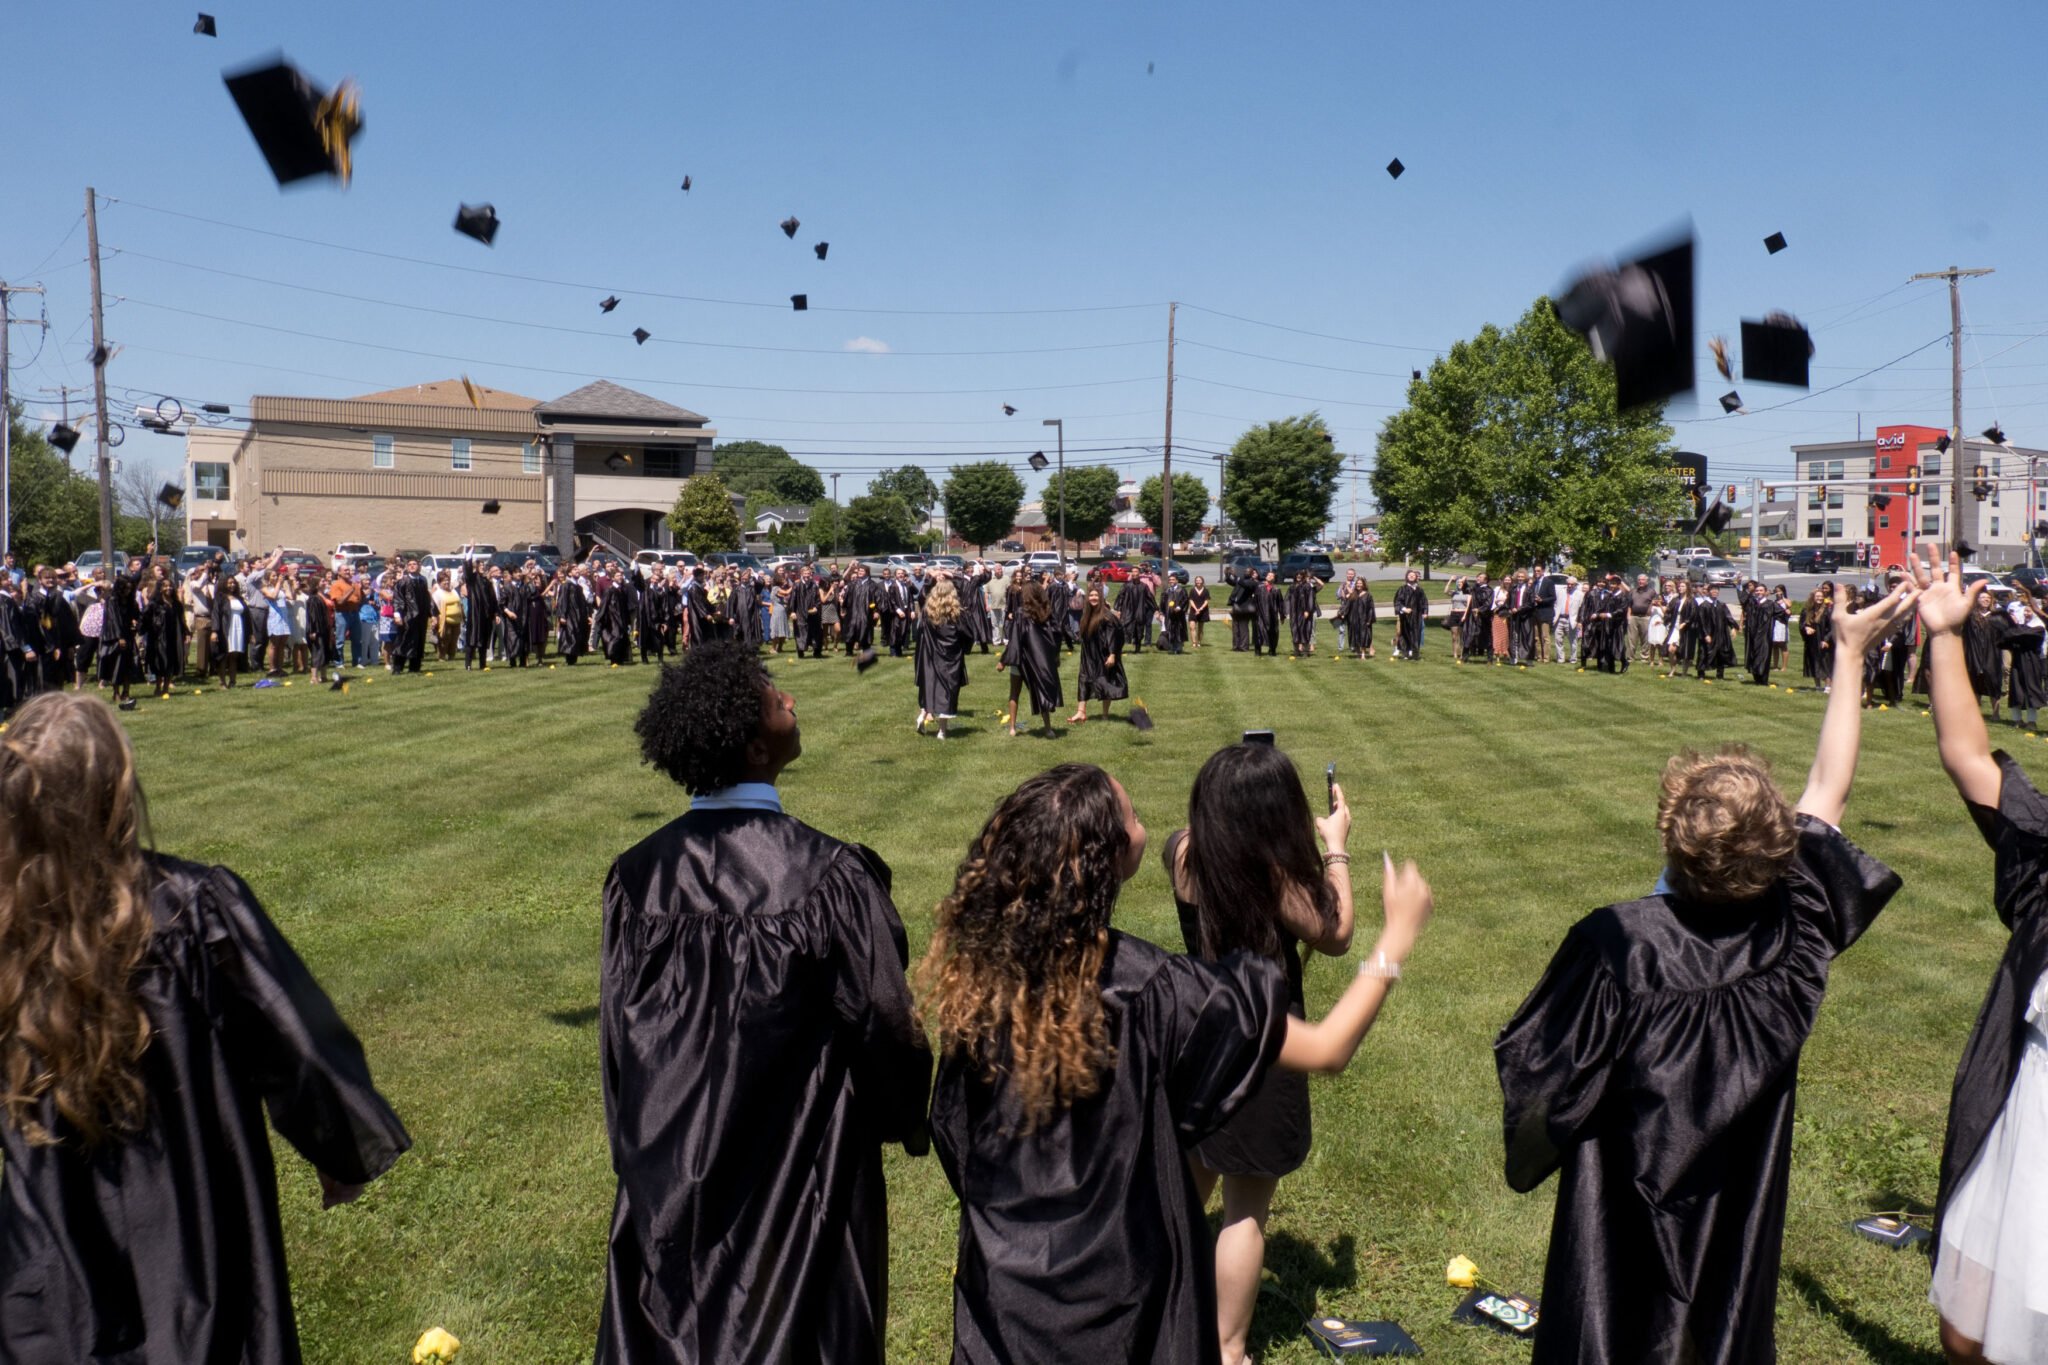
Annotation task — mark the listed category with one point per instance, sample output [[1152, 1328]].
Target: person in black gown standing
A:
[[1243, 607], [1173, 617], [941, 664], [1269, 616], [1033, 654], [480, 611], [1656, 1063], [1713, 626], [1361, 612], [1411, 616], [1301, 614], [140, 1201], [1102, 658], [1247, 877], [1761, 615], [1076, 1064], [759, 1047], [572, 615]]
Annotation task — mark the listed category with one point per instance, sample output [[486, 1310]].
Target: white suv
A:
[[350, 553]]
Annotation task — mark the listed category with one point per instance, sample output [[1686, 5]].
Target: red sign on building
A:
[[1895, 528]]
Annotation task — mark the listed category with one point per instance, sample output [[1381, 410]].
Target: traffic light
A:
[[1912, 480], [1982, 487], [1820, 490], [1729, 496]]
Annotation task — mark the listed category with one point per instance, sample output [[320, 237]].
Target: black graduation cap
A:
[[204, 28], [1342, 1337], [338, 685], [99, 355], [1994, 434], [301, 130], [64, 437], [800, 301], [218, 409], [1964, 549], [1639, 318], [1714, 520], [1140, 717], [1394, 168], [1009, 411], [789, 226], [1943, 444], [865, 660], [1415, 374], [1775, 351], [1038, 460], [477, 220], [821, 248], [686, 184], [491, 507], [1775, 243], [1731, 401], [607, 303], [170, 495], [640, 335]]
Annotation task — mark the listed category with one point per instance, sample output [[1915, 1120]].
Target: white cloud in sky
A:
[[868, 345]]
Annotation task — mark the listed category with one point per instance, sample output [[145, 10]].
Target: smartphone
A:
[[1258, 737], [1330, 776]]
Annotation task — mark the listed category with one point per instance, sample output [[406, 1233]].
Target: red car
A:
[[1113, 571]]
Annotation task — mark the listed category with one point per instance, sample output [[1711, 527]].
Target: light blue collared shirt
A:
[[740, 796]]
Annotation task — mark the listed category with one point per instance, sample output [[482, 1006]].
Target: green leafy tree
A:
[[758, 470], [1280, 478], [53, 513], [1512, 450], [703, 518], [878, 523], [1090, 493], [911, 485], [982, 501], [1190, 504], [824, 528]]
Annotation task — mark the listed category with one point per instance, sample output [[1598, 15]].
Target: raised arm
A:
[[1946, 604], [1841, 729], [1329, 1043]]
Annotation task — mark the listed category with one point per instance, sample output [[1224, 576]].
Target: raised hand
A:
[[1855, 630], [1945, 600]]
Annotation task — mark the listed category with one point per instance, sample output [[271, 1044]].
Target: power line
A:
[[1723, 417], [1326, 336]]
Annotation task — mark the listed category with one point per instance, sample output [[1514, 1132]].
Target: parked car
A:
[[1317, 564], [348, 552], [432, 565], [302, 560], [952, 563], [1713, 571], [1813, 561], [89, 560], [1154, 567], [1246, 564], [539, 548], [1240, 546], [733, 559], [1113, 571], [192, 556], [1111, 554], [1994, 585], [2029, 578], [1043, 561]]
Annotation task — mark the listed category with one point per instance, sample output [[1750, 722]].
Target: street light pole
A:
[[1060, 424]]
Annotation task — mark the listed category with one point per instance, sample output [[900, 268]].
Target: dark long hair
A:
[[1012, 977], [1250, 840], [1094, 614], [1032, 601]]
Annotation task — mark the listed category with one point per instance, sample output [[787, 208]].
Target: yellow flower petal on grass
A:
[[437, 1344], [1459, 1274]]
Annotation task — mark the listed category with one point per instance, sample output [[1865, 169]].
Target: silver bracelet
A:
[[1380, 967]]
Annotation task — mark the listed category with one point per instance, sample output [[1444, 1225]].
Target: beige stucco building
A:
[[425, 468]]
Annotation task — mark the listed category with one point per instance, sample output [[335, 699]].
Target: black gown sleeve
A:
[[1222, 1025], [1836, 885], [871, 995], [1556, 1058], [284, 1036]]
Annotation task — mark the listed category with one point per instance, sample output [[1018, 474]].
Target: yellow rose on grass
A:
[[1461, 1273], [436, 1344]]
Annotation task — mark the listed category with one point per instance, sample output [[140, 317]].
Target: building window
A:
[[1994, 528], [1884, 521], [1834, 497], [1834, 526], [458, 453], [529, 458], [1813, 497], [210, 482], [1813, 529], [1930, 494], [382, 452], [1816, 470], [1930, 463], [1930, 525], [663, 462]]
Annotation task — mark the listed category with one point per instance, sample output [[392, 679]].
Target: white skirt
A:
[[1656, 633], [1991, 1279], [1777, 632]]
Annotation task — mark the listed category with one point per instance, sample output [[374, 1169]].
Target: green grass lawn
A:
[[435, 848]]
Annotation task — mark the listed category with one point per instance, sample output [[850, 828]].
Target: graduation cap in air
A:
[[477, 220], [800, 302], [1964, 549], [1731, 401], [1148, 68], [205, 27], [640, 335], [170, 495], [1038, 460], [821, 248], [865, 660], [302, 130], [1714, 520], [1009, 411], [491, 507], [469, 391], [686, 184], [1719, 346], [217, 409], [789, 226], [1415, 374], [1995, 434], [1774, 243], [1394, 168], [607, 303], [1638, 317], [1140, 717], [100, 355], [1776, 350], [64, 437]]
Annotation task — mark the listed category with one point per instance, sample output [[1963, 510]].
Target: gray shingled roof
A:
[[606, 399]]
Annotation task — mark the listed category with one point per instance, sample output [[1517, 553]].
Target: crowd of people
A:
[[764, 1036]]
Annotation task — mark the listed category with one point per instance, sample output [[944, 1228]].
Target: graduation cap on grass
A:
[[1891, 1230], [607, 303], [1140, 717], [865, 660], [1776, 350], [302, 130], [64, 437], [1638, 317], [1341, 1337], [789, 227], [800, 302], [204, 27], [821, 248], [477, 220]]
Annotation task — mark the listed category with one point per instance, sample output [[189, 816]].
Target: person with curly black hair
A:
[[753, 969]]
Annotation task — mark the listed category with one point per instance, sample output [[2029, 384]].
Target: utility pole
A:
[[99, 387], [836, 517], [1166, 488], [1960, 483], [7, 434]]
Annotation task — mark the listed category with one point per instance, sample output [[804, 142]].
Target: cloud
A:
[[868, 345]]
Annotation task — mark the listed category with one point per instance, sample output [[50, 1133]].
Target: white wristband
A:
[[1379, 966]]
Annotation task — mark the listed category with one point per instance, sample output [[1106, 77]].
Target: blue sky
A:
[[1012, 200]]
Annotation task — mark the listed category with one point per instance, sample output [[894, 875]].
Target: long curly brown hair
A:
[[74, 921], [1012, 978]]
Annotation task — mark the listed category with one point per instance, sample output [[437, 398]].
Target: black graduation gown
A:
[[1100, 679], [647, 620], [1478, 633], [744, 607], [1034, 651], [1411, 614], [1083, 1240], [166, 1249], [121, 634], [536, 619], [1714, 625], [703, 617], [2027, 678], [1982, 656], [572, 619], [1268, 608], [512, 617], [1759, 615], [1819, 661], [615, 622], [941, 666], [1656, 1066], [14, 664], [1243, 607], [414, 609], [57, 620], [319, 633], [1360, 613], [759, 1046], [163, 639], [806, 615], [2017, 830], [1127, 610], [856, 626], [974, 618], [1301, 616], [1173, 617]]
